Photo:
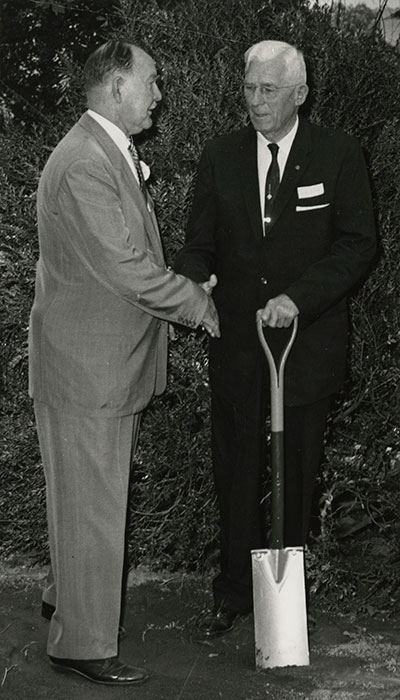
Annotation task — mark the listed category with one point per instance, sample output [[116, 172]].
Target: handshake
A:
[[278, 312], [210, 321]]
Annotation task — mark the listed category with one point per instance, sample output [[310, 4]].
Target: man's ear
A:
[[116, 88], [301, 94]]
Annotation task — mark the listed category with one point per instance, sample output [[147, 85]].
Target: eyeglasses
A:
[[268, 91]]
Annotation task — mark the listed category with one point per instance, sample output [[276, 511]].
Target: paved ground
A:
[[350, 658]]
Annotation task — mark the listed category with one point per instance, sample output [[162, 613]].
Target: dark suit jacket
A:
[[98, 331], [319, 246]]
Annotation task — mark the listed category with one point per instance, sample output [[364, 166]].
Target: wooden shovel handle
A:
[[277, 434], [276, 374]]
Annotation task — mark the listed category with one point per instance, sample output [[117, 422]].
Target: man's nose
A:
[[157, 93], [257, 97]]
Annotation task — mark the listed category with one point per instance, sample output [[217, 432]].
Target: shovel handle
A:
[[276, 374], [277, 434]]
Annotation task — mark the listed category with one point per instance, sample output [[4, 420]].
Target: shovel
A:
[[280, 613]]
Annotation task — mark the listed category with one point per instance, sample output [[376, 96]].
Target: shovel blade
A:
[[280, 613]]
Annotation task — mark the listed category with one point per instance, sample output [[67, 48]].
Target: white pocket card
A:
[[310, 191]]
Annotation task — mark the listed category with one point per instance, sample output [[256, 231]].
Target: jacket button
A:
[[263, 280]]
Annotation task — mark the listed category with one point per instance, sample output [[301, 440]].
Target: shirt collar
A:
[[284, 144], [112, 130]]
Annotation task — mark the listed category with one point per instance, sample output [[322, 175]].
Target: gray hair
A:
[[110, 57], [292, 58]]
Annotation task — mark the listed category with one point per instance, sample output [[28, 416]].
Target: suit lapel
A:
[[120, 164], [297, 161], [247, 162]]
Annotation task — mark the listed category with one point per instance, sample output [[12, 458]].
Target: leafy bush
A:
[[199, 47]]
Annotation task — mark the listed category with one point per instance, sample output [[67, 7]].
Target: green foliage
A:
[[172, 520], [360, 17], [38, 38], [361, 497], [199, 46], [22, 479]]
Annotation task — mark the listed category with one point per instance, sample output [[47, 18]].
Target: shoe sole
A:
[[69, 669]]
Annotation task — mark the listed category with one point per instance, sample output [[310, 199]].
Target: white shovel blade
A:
[[280, 613]]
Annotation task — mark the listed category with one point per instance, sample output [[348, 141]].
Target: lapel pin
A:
[[297, 167]]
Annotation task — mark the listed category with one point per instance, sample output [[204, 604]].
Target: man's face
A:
[[140, 94], [271, 100]]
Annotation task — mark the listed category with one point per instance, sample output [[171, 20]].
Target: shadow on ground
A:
[[350, 658]]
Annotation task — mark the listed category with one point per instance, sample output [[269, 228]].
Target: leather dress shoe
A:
[[48, 610], [105, 671], [219, 621]]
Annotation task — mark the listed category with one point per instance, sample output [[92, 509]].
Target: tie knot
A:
[[274, 148]]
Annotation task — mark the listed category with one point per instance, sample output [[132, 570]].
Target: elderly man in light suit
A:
[[98, 351]]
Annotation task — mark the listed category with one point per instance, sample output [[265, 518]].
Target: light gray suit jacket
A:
[[98, 331]]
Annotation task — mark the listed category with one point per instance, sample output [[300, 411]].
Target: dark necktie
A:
[[135, 157], [271, 186]]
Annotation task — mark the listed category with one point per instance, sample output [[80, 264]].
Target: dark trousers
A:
[[239, 458]]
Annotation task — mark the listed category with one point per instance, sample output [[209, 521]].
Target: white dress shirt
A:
[[118, 136], [264, 158]]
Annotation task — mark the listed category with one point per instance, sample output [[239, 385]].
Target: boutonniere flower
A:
[[145, 170]]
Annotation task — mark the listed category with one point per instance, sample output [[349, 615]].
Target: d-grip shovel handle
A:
[[276, 374], [277, 448]]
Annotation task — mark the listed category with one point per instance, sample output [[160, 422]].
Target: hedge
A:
[[199, 46]]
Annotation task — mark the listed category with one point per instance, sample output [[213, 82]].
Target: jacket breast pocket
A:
[[312, 207]]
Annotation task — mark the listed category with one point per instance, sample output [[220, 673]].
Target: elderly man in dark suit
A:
[[98, 351], [282, 216]]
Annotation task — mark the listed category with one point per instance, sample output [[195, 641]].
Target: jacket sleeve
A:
[[353, 245], [197, 257], [94, 222]]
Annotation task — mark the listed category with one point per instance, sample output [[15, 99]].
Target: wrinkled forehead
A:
[[266, 71]]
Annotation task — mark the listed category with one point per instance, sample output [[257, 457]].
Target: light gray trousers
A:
[[87, 461]]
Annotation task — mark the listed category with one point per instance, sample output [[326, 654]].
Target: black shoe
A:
[[219, 621], [48, 610], [106, 671]]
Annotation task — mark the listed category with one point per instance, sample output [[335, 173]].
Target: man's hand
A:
[[210, 320], [278, 312], [210, 284]]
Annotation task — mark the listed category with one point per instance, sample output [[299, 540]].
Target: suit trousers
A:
[[87, 461], [239, 451]]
